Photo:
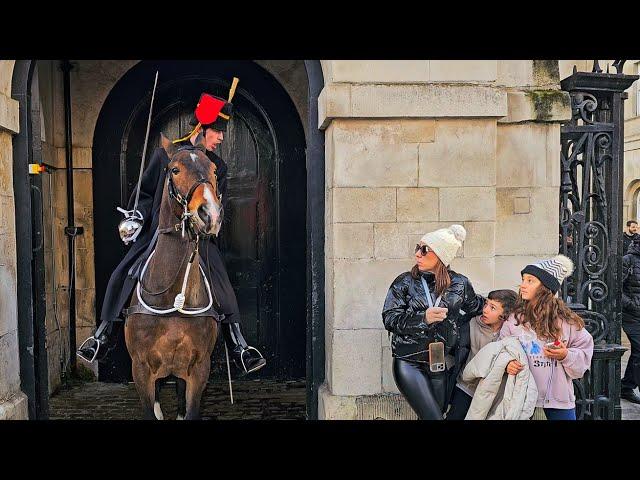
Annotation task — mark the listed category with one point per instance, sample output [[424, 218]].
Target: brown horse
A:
[[161, 340]]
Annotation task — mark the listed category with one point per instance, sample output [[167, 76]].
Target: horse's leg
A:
[[146, 387], [156, 404], [195, 386], [181, 392]]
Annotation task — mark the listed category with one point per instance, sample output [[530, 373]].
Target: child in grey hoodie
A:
[[483, 329]]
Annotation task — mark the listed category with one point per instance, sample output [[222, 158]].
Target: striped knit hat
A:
[[551, 272]]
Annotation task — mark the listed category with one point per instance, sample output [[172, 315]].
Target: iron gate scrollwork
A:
[[591, 159]]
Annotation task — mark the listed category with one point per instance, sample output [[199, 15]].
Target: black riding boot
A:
[[96, 347], [246, 358]]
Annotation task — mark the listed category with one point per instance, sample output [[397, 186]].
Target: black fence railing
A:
[[592, 153]]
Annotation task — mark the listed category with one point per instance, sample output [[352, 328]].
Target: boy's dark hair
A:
[[630, 222], [507, 298]]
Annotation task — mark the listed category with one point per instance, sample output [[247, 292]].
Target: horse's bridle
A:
[[184, 200]]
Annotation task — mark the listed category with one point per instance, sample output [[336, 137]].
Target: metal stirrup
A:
[[95, 354], [242, 360]]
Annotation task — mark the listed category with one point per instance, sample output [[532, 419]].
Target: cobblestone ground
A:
[[253, 400]]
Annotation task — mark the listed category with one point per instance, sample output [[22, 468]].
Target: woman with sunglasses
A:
[[427, 306]]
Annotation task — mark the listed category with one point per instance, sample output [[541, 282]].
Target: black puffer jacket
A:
[[404, 310], [626, 241], [631, 280]]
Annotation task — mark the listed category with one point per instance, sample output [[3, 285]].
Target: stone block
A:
[[417, 204], [481, 239], [464, 153], [388, 383], [507, 270], [10, 364], [333, 102], [398, 240], [522, 155], [6, 163], [526, 234], [380, 71], [480, 271], [9, 114], [353, 240], [365, 162], [467, 204], [8, 304], [15, 407], [538, 106], [356, 362], [360, 287], [463, 70], [364, 205], [428, 100], [333, 407]]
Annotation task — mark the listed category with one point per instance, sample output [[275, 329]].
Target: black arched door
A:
[[263, 243]]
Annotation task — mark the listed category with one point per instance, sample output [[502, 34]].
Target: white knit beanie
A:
[[445, 242]]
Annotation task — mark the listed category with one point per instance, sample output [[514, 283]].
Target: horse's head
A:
[[192, 183]]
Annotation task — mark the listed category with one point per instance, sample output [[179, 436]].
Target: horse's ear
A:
[[167, 144]]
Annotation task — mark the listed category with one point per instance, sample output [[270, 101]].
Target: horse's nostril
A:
[[203, 213]]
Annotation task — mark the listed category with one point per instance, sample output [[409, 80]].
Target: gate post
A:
[[591, 192]]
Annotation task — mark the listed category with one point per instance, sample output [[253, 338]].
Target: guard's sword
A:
[[133, 213], [146, 140]]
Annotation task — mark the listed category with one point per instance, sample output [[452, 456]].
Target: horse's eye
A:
[[175, 170]]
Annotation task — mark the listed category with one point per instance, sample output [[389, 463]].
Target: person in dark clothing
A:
[[629, 235], [425, 307], [631, 319], [210, 121]]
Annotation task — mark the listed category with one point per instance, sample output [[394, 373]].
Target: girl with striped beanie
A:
[[559, 347]]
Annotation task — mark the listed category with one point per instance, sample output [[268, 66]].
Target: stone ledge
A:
[[538, 106], [385, 406], [332, 407], [417, 101], [15, 408], [9, 114]]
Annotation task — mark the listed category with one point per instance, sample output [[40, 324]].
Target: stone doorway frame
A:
[[31, 327]]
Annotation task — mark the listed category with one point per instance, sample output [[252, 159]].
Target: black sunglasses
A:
[[423, 249]]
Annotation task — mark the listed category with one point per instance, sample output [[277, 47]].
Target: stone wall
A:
[[13, 403]]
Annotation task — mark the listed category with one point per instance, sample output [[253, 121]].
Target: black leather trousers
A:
[[425, 391]]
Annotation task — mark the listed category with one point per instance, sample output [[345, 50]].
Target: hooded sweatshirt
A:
[[554, 377]]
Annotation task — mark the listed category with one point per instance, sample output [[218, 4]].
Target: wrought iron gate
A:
[[592, 152]]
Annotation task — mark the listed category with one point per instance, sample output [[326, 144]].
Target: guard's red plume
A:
[[208, 109]]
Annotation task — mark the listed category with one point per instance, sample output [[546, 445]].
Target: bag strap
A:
[[428, 294]]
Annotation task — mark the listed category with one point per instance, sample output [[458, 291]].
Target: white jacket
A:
[[520, 392]]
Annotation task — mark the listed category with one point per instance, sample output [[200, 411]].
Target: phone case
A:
[[436, 357]]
